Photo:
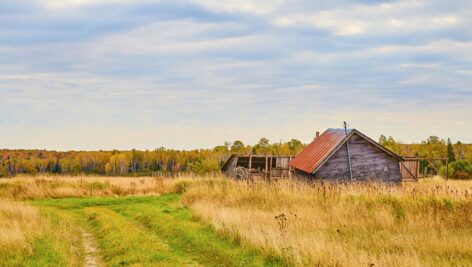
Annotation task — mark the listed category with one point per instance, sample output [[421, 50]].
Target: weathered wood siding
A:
[[369, 163], [231, 169], [262, 166]]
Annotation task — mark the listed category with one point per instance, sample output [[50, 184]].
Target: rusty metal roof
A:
[[313, 155]]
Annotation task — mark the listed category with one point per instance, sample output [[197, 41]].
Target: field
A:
[[110, 221]]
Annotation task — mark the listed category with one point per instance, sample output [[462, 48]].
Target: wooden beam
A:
[[417, 170], [408, 158], [250, 165], [289, 170], [266, 168]]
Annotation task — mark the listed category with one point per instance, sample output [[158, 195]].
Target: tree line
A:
[[135, 162], [458, 155], [203, 161]]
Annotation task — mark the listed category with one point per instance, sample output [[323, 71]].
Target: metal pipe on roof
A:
[[348, 154]]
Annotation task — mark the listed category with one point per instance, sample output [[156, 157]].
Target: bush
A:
[[205, 166], [460, 169]]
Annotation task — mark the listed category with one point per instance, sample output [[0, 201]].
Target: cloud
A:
[[239, 69]]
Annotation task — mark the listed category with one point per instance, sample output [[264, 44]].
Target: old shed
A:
[[257, 166], [347, 155]]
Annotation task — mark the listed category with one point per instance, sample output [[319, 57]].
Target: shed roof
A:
[[318, 151]]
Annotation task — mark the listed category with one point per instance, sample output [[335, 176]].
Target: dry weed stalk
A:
[[347, 224]]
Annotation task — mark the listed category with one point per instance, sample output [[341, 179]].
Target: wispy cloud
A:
[[104, 74]]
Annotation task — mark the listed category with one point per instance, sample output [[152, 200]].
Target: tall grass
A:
[[426, 223], [16, 222], [48, 238], [65, 186], [28, 238]]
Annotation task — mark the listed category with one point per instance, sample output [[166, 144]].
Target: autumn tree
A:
[[295, 146], [450, 151], [238, 147], [389, 143], [262, 147]]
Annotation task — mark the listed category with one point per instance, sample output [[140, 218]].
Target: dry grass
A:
[[17, 221], [425, 223], [26, 237], [85, 186], [51, 238]]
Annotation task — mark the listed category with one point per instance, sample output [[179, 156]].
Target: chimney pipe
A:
[[317, 134]]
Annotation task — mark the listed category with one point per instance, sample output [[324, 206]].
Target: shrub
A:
[[461, 169], [205, 166]]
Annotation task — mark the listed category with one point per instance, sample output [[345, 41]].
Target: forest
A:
[[163, 161]]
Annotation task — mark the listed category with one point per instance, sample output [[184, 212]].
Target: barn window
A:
[[258, 163], [243, 162]]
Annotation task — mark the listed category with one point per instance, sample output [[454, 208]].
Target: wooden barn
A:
[[257, 166], [347, 155]]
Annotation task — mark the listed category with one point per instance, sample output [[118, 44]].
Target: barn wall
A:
[[231, 168], [368, 163], [337, 166], [298, 174]]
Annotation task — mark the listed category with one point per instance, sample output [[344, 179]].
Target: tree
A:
[[460, 150], [57, 167], [389, 143], [204, 166], [237, 147], [263, 147], [450, 151], [433, 147], [223, 148], [382, 140], [295, 146]]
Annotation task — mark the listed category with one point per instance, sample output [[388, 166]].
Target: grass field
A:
[[109, 221], [153, 231]]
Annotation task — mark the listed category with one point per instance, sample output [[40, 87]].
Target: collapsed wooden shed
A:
[[347, 155], [257, 166]]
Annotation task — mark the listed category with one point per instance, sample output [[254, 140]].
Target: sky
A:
[[183, 74]]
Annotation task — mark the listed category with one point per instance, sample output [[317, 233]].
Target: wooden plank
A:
[[289, 168], [266, 168], [403, 167], [250, 165]]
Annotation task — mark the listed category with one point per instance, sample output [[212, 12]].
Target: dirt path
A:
[[90, 248]]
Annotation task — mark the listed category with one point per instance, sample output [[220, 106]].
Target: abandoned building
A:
[[347, 155], [257, 166], [335, 155]]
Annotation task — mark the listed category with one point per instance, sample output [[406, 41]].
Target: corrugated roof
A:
[[313, 155]]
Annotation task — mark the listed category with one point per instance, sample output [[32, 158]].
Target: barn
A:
[[347, 155], [257, 166]]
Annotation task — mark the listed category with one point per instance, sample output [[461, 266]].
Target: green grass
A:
[[149, 231], [56, 245], [44, 253]]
